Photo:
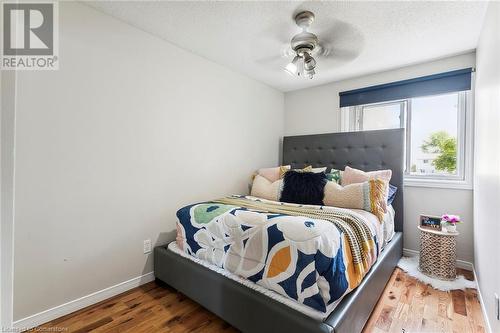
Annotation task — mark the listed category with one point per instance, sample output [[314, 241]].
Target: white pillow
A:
[[263, 188]]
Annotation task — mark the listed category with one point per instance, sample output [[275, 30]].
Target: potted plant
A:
[[450, 221]]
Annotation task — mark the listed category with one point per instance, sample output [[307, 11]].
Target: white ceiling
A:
[[249, 37]]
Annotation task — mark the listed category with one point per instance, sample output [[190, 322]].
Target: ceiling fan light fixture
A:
[[292, 67], [310, 73], [309, 62]]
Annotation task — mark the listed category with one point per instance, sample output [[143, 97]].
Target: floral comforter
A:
[[312, 254]]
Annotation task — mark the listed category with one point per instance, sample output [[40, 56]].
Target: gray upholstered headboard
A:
[[367, 150]]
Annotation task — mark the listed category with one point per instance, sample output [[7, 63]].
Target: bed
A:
[[252, 311]]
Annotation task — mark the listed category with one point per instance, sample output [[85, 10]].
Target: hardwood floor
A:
[[152, 307], [406, 306]]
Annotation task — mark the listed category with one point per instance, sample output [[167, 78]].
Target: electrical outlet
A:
[[497, 306], [147, 246]]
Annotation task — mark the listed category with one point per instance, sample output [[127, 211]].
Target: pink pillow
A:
[[353, 176], [273, 174]]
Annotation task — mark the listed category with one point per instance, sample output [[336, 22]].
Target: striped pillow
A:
[[369, 196]]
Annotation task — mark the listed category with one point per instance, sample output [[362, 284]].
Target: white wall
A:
[[316, 110], [7, 121], [129, 129], [487, 163]]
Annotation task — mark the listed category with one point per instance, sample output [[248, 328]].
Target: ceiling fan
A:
[[340, 42], [303, 44]]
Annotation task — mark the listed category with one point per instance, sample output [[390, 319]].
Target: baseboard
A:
[[483, 309], [460, 263], [82, 302]]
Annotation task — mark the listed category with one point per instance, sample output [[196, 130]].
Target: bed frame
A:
[[251, 311]]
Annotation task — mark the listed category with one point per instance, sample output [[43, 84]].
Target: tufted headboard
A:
[[366, 150]]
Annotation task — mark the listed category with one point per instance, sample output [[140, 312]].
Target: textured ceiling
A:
[[250, 37]]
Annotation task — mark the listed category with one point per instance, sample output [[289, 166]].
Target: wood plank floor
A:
[[406, 306]]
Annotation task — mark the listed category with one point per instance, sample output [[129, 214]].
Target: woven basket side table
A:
[[438, 253]]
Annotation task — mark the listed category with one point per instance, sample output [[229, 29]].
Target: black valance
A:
[[458, 80]]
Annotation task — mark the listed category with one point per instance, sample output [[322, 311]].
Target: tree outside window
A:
[[445, 146]]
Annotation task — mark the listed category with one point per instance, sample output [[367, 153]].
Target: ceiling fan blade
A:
[[282, 57], [341, 40], [272, 50], [274, 61], [340, 32], [278, 33], [338, 54]]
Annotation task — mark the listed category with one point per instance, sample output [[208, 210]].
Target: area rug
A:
[[410, 266]]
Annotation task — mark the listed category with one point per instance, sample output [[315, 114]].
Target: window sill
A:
[[438, 183]]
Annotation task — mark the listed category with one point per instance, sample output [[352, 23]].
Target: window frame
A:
[[463, 178]]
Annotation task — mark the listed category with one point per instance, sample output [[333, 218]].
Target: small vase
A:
[[451, 228]]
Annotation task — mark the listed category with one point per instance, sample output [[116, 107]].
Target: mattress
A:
[[218, 235]]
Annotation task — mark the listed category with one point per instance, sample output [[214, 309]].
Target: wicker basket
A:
[[438, 254]]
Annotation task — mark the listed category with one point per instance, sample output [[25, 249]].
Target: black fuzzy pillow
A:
[[303, 188]]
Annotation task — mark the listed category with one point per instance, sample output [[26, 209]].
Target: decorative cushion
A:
[[273, 174], [263, 188], [318, 170], [303, 187], [284, 169], [392, 194], [334, 176], [309, 168], [369, 196], [353, 176]]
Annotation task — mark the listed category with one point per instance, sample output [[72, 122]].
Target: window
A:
[[381, 116], [436, 134]]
